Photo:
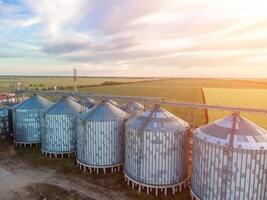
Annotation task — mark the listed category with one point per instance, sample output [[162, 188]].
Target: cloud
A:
[[124, 34], [8, 55]]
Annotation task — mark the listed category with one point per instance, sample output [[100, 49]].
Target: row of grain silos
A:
[[229, 155]]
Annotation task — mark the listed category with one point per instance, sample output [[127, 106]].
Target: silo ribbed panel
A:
[[156, 158], [59, 133], [3, 121], [249, 178], [100, 143], [230, 160], [27, 126]]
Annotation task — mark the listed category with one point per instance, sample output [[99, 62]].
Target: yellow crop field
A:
[[251, 98]]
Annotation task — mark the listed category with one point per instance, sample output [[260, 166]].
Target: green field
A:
[[176, 89], [183, 90], [251, 98]]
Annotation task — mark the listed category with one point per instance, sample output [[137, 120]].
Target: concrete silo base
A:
[[26, 144], [98, 169], [193, 195], [156, 189], [57, 154]]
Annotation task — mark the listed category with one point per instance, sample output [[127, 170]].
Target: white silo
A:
[[87, 102], [59, 126], [229, 160], [133, 108], [156, 156], [27, 120], [100, 137]]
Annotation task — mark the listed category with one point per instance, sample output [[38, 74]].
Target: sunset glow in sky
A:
[[215, 38]]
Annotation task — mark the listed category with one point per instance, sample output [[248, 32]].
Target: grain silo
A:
[[100, 138], [113, 102], [27, 120], [156, 157], [133, 108], [229, 160], [4, 127], [87, 102], [58, 128]]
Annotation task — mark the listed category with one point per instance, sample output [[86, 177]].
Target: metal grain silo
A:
[[133, 108], [156, 156], [4, 127], [58, 128], [27, 120], [113, 102], [100, 138], [229, 160], [87, 102]]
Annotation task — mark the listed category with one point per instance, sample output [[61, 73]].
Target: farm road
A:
[[17, 178]]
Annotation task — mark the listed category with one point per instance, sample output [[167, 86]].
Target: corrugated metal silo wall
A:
[[156, 158], [27, 126], [3, 121], [100, 143], [249, 177], [58, 134]]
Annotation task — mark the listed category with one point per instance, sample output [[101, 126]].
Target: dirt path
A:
[[16, 176]]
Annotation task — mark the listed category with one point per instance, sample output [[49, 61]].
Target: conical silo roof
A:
[[113, 102], [104, 111], [87, 102], [65, 106], [157, 120], [244, 133], [133, 106], [35, 102]]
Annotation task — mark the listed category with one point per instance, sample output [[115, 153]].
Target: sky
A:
[[182, 38]]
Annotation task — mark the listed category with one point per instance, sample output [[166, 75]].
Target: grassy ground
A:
[[251, 98], [185, 90], [179, 89]]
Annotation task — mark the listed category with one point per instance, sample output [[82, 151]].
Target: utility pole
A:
[[75, 79]]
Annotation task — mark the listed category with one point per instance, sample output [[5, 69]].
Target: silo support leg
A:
[[156, 191], [165, 191], [139, 189]]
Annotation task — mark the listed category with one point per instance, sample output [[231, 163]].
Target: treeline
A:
[[41, 86], [106, 83]]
